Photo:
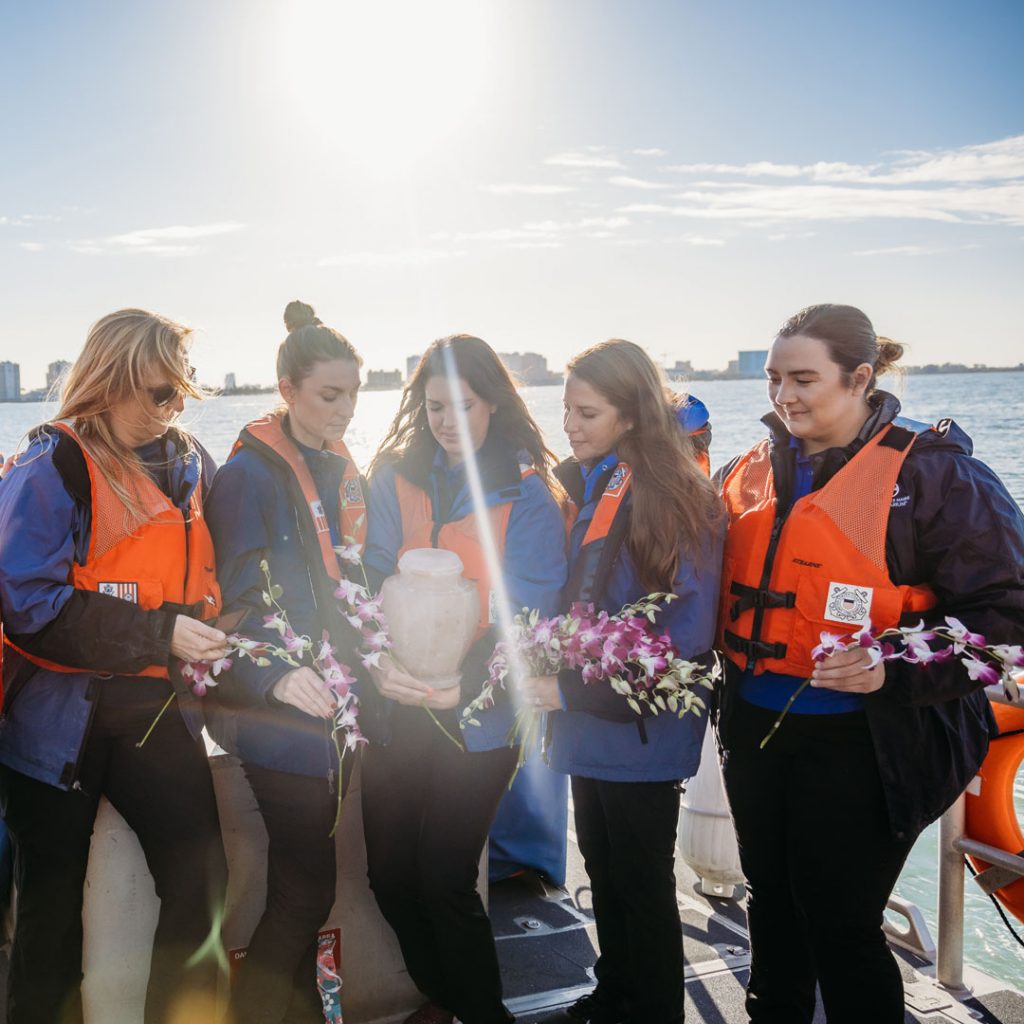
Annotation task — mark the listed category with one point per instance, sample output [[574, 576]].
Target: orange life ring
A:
[[991, 817]]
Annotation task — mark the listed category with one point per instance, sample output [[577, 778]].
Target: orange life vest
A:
[[166, 559], [461, 536], [268, 436], [820, 568]]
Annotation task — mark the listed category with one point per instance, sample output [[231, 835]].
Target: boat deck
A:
[[547, 945]]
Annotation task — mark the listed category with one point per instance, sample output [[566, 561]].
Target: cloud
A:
[[31, 246], [539, 233], [900, 250], [176, 240], [404, 258], [627, 182], [1002, 160], [590, 159], [648, 152], [526, 190], [1002, 204], [703, 240]]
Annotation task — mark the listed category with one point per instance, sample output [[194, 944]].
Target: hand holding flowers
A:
[[857, 663]]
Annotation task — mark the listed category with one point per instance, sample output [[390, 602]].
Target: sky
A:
[[542, 173]]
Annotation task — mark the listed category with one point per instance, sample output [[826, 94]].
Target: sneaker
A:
[[595, 1008], [430, 1013]]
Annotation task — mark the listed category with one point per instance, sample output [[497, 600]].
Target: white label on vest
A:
[[319, 519], [492, 607], [125, 591], [848, 603]]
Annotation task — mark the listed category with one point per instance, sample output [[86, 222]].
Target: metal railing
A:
[[953, 844]]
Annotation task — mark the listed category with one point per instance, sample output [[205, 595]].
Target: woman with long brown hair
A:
[[106, 578], [427, 805], [635, 469]]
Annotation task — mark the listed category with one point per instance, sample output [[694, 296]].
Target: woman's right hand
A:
[[193, 640], [403, 688], [302, 688]]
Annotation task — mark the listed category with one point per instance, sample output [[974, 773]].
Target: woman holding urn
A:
[[463, 461]]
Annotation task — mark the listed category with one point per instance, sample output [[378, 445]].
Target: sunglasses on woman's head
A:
[[168, 392]]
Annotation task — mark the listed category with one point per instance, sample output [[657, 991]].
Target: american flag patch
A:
[[124, 591], [319, 519]]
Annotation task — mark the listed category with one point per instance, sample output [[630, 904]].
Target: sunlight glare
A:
[[386, 81]]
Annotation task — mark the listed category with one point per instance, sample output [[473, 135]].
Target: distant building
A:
[[751, 362], [410, 366], [682, 369], [55, 373], [10, 382], [529, 367], [230, 383], [383, 380]]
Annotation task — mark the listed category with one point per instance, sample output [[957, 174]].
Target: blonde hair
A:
[[121, 350]]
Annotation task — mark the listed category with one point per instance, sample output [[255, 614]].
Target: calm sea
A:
[[989, 406]]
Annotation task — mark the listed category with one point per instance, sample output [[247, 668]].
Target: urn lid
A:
[[430, 562]]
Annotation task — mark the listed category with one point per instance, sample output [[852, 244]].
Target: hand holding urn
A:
[[432, 613]]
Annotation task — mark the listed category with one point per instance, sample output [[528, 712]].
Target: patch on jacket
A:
[[899, 500], [125, 591], [319, 519], [848, 603]]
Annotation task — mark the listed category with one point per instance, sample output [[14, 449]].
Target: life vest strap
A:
[[756, 649], [758, 597]]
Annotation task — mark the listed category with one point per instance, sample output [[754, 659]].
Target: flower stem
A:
[[437, 722], [341, 789], [782, 714], [152, 725]]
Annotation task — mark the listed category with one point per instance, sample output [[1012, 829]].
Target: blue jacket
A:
[[45, 518], [254, 513], [534, 564], [586, 742]]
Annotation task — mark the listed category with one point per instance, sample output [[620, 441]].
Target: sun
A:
[[387, 81]]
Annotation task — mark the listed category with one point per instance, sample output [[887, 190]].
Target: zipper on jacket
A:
[[92, 696]]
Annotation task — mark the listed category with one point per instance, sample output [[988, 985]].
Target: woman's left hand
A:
[[540, 692], [850, 671]]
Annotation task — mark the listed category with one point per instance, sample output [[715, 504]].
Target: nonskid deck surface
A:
[[547, 945]]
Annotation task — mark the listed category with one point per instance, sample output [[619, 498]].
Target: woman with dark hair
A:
[[289, 495], [106, 581], [845, 514], [648, 521], [427, 805]]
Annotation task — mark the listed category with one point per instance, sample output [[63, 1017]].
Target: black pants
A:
[[627, 835], [276, 982], [165, 794], [820, 861], [427, 809]]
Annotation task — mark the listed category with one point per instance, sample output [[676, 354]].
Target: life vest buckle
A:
[[758, 597], [754, 649]]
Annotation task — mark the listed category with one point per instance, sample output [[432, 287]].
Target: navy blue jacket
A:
[[253, 514], [952, 525], [45, 518], [533, 566], [597, 735]]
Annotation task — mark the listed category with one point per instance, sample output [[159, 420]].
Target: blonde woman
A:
[[106, 578]]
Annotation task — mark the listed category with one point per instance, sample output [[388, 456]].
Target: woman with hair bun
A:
[[106, 581], [289, 494], [848, 513], [648, 521]]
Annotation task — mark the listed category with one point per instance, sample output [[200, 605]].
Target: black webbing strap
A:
[[758, 597]]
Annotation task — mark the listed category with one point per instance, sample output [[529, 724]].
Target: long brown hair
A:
[[120, 351], [674, 503], [479, 366]]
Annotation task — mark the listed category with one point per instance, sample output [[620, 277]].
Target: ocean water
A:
[[989, 406]]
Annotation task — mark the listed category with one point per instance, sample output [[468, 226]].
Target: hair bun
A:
[[889, 353], [299, 314]]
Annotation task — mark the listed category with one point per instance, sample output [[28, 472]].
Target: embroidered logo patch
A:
[[618, 479], [125, 591], [848, 603], [319, 519], [899, 500], [353, 493]]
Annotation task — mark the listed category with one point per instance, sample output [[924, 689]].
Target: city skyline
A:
[[542, 175]]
